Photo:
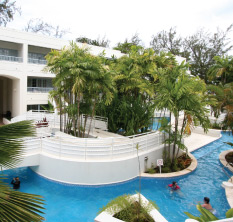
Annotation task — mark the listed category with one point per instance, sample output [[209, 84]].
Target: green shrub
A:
[[181, 164], [151, 170], [166, 170], [216, 126], [127, 208]]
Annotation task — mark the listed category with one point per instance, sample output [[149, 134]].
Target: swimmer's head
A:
[[207, 199]]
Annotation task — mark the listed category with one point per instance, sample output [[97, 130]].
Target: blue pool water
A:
[[72, 203], [156, 124]]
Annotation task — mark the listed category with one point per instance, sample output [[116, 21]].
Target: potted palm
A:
[[131, 208]]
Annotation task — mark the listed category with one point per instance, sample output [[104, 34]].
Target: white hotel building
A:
[[23, 83]]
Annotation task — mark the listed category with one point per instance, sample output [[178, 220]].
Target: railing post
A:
[[133, 144], [158, 138], [146, 141], [85, 148], [112, 146], [41, 145], [60, 146]]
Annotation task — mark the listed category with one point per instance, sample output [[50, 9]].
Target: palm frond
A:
[[19, 206], [11, 142]]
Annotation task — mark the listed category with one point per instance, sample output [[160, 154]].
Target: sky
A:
[[121, 19]]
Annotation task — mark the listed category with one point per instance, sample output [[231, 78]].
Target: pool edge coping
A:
[[228, 191], [188, 170]]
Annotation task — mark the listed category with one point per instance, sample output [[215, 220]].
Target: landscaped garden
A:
[[127, 91]]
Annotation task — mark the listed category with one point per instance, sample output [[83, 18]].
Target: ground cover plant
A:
[[182, 163]]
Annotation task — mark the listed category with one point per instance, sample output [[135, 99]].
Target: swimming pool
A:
[[156, 122], [72, 203]]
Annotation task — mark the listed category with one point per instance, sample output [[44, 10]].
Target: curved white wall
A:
[[95, 172], [91, 161]]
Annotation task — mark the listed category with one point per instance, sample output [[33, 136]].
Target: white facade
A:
[[22, 79]]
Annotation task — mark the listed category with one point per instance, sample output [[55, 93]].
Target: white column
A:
[[24, 53]]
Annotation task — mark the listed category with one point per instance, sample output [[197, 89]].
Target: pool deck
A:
[[196, 141]]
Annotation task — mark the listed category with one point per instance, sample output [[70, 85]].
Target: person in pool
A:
[[16, 183], [174, 186], [208, 206]]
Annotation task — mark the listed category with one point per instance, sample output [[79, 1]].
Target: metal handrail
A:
[[37, 61], [39, 89], [11, 58]]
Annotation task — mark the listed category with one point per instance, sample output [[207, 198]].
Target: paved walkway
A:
[[196, 140]]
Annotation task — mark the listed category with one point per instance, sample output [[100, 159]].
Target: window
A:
[[37, 107], [34, 83], [8, 52], [39, 83], [44, 83], [36, 58]]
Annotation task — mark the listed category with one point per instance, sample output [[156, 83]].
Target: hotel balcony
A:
[[11, 58], [37, 61], [10, 51], [39, 89]]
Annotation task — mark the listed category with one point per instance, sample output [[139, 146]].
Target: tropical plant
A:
[[81, 81], [127, 208], [97, 42], [127, 45], [206, 215], [15, 205], [222, 70], [224, 103], [181, 94], [132, 107]]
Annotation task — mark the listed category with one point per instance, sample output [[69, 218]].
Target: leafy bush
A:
[[126, 208], [216, 126], [151, 170], [166, 170]]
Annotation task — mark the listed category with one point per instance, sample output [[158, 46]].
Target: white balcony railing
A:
[[94, 148], [37, 61], [11, 58], [39, 89], [67, 146]]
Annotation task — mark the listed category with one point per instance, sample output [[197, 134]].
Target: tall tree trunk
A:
[[64, 124], [175, 137], [60, 113], [92, 115], [74, 118], [169, 144], [78, 114], [181, 134], [85, 123]]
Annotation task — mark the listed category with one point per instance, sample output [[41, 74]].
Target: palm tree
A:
[[15, 205], [181, 93], [223, 95], [223, 68]]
